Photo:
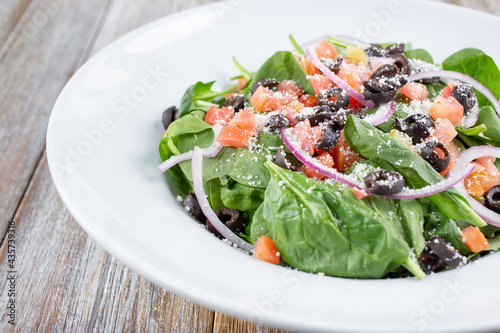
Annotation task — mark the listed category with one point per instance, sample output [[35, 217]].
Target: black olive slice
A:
[[230, 217], [396, 49], [417, 126], [465, 95], [492, 199], [430, 262], [379, 97], [319, 118], [333, 65], [446, 252], [386, 70], [384, 182], [330, 138], [192, 206], [237, 102], [169, 115], [276, 121], [342, 101], [324, 109], [267, 83], [429, 154], [282, 161], [375, 50], [402, 63]]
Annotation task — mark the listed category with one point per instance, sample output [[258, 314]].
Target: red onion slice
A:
[[212, 151], [461, 77], [199, 191], [291, 118], [338, 81], [470, 119], [463, 160], [352, 182], [383, 114]]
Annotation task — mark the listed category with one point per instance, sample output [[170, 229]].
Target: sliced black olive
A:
[[396, 49], [384, 182], [319, 118], [341, 117], [192, 206], [465, 95], [379, 97], [430, 262], [429, 154], [169, 115], [282, 161], [277, 121], [492, 199], [417, 126], [267, 83], [330, 138], [230, 217], [333, 65], [386, 70], [237, 102], [375, 50], [324, 109], [342, 101], [446, 252], [402, 63]]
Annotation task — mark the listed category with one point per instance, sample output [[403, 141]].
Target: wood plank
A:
[[488, 6], [227, 324], [33, 73], [58, 266], [11, 12]]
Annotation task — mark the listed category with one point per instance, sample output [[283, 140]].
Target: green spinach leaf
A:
[[419, 54], [489, 118], [241, 197], [316, 229], [198, 97], [476, 64]]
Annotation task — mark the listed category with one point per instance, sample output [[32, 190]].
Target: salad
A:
[[345, 158]]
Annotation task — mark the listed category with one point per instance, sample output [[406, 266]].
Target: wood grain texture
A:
[[34, 70], [227, 324], [11, 12], [59, 267], [488, 6]]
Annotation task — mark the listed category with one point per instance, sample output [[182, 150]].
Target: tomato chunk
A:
[[240, 130], [326, 159], [320, 83], [291, 110], [326, 50], [265, 99], [308, 66], [343, 155], [309, 101], [266, 250], [447, 108], [307, 136], [291, 88], [216, 114], [444, 130], [415, 91], [447, 91], [474, 239]]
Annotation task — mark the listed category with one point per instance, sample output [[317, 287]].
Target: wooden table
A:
[[64, 280]]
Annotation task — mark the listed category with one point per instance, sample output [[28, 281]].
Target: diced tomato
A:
[[415, 91], [265, 99], [242, 82], [216, 114], [291, 109], [489, 166], [320, 83], [229, 95], [343, 155], [309, 101], [326, 159], [266, 250], [474, 239], [326, 50], [308, 66], [359, 194], [359, 70], [290, 87], [307, 136], [447, 91], [447, 108], [354, 104], [444, 130], [240, 130], [479, 181], [452, 149]]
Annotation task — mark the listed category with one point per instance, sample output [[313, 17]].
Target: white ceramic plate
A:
[[102, 150]]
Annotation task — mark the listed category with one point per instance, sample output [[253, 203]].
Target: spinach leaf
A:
[[284, 66], [213, 191], [434, 89], [476, 64], [198, 97], [249, 169], [438, 224], [489, 118], [316, 229], [419, 54], [258, 226], [389, 125], [388, 153], [494, 243], [472, 131], [411, 216], [241, 197]]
